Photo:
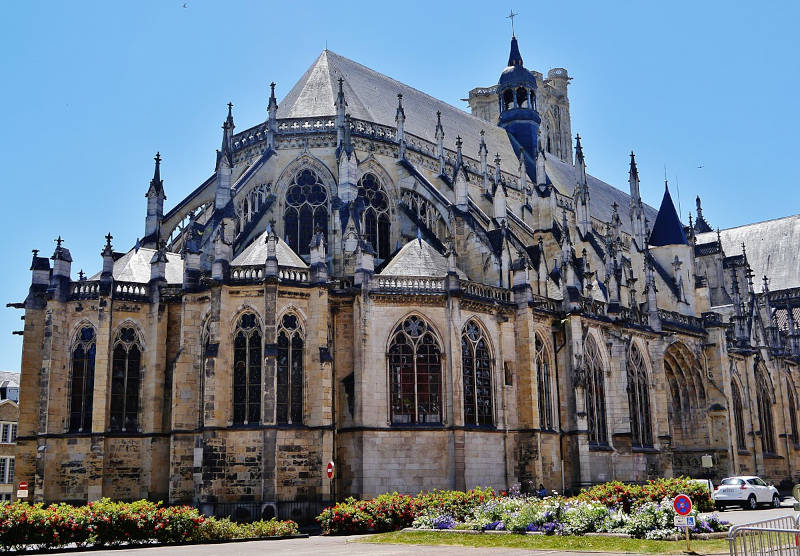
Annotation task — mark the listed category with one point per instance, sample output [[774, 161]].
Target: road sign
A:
[[682, 505], [22, 491], [23, 485], [684, 521], [329, 470]]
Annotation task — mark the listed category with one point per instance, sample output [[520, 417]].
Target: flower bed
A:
[[626, 496], [560, 516], [391, 512], [106, 523]]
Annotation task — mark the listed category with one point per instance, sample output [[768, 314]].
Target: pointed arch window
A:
[[595, 394], [247, 370], [82, 380], [476, 365], [765, 421], [125, 380], [792, 412], [738, 416], [639, 400], [415, 367], [544, 381], [375, 218], [289, 405], [306, 210]]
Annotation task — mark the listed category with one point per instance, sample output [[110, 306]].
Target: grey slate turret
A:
[[155, 207]]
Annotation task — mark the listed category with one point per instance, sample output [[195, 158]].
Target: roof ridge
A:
[[754, 223]]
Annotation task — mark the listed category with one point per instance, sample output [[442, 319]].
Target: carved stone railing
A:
[[679, 320], [638, 318], [593, 307], [306, 125], [407, 284], [564, 201], [84, 289], [484, 291], [545, 303], [248, 273], [130, 291], [291, 274]]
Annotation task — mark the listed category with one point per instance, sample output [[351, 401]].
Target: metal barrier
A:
[[771, 537]]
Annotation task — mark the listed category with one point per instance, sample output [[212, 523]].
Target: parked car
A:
[[746, 491]]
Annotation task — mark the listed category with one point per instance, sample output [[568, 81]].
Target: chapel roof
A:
[[667, 229], [256, 254], [418, 258], [134, 266], [772, 247]]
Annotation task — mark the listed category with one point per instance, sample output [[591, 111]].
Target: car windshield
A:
[[732, 482]]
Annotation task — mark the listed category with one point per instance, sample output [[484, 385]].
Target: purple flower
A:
[[444, 522], [532, 527], [550, 527]]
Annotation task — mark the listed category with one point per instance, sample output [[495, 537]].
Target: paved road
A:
[[316, 546], [740, 517]]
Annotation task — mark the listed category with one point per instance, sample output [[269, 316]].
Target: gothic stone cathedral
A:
[[427, 298]]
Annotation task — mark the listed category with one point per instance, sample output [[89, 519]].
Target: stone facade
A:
[[431, 321]]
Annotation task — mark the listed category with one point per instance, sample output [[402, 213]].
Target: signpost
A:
[[329, 470], [22, 491], [682, 505]]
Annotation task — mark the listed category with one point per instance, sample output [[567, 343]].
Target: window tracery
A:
[[306, 210], [289, 406], [125, 380], [738, 416], [375, 218], [82, 380], [477, 375], [415, 373], [639, 400], [765, 420], [595, 394], [247, 370], [425, 212], [545, 384]]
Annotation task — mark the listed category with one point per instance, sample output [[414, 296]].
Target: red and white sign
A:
[[329, 470], [22, 491], [23, 485], [682, 504]]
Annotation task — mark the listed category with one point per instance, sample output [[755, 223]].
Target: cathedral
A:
[[425, 297]]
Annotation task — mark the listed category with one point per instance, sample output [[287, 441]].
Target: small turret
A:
[[107, 274], [223, 251], [541, 173], [192, 263], [400, 120], [155, 207], [158, 266], [348, 166], [319, 264], [637, 207], [440, 141], [650, 294], [499, 196], [60, 277], [271, 262], [460, 179], [272, 118], [521, 281], [365, 264]]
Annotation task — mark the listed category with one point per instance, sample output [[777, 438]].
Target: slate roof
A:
[[9, 379], [372, 96], [418, 258], [667, 229], [773, 249], [134, 266], [256, 253], [782, 317]]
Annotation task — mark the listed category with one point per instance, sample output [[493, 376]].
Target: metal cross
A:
[[58, 241], [511, 16], [109, 237]]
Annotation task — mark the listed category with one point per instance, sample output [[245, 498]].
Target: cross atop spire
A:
[[109, 237], [58, 241], [511, 16]]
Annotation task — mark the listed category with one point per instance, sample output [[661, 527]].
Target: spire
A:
[[400, 120], [541, 172], [701, 224], [497, 175], [667, 229], [341, 107], [440, 141], [633, 178], [459, 157], [580, 162], [155, 207], [272, 118], [156, 188], [225, 154], [581, 192], [483, 151], [523, 175], [514, 57]]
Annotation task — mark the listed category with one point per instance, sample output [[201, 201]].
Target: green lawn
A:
[[542, 542]]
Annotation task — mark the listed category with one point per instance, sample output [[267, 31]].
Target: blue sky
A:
[[93, 89]]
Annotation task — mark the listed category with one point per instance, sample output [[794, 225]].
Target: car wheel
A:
[[776, 501], [751, 503], [719, 507]]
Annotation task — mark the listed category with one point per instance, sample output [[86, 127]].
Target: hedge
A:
[[626, 496], [107, 523]]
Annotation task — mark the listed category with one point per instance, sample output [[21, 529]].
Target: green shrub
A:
[[625, 496]]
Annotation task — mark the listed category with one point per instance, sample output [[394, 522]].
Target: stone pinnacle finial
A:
[[58, 241], [35, 252], [109, 237]]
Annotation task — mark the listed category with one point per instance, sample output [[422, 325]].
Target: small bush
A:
[[107, 523]]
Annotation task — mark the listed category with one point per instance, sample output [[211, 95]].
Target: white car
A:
[[746, 491]]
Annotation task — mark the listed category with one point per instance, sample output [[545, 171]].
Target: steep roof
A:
[[418, 258], [134, 266], [667, 229], [372, 96], [773, 249], [256, 253], [9, 379]]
